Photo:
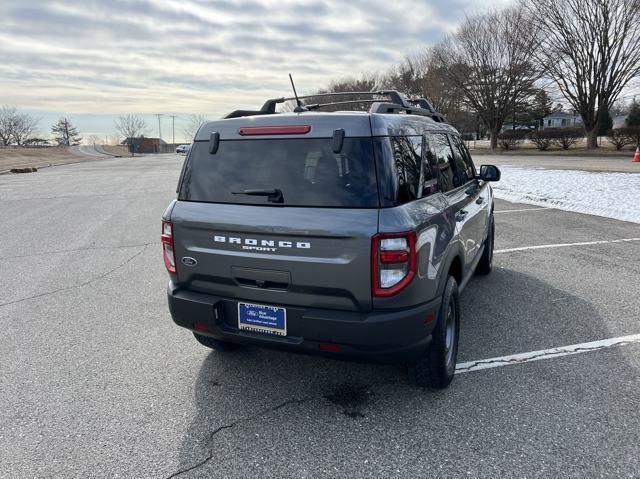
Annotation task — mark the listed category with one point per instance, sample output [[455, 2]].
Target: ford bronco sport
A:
[[344, 234]]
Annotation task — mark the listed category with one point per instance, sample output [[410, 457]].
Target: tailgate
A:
[[311, 257]]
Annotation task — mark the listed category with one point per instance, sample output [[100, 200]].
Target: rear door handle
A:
[[480, 200], [460, 215]]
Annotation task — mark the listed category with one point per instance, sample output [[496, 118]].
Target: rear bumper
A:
[[378, 336]]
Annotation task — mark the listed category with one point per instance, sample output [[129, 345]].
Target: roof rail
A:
[[422, 103], [416, 106], [269, 106], [316, 106], [426, 104], [393, 108], [394, 96]]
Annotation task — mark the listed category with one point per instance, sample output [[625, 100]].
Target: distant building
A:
[[560, 119], [146, 145], [519, 126], [36, 142], [619, 121]]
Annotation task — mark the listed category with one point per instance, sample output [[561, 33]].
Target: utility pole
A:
[[159, 115], [173, 128]]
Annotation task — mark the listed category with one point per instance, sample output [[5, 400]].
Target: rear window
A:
[[306, 171]]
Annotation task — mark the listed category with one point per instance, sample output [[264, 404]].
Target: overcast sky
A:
[[94, 60]]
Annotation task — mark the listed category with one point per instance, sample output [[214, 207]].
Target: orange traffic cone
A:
[[636, 157]]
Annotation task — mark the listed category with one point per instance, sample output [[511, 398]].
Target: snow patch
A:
[[612, 195]]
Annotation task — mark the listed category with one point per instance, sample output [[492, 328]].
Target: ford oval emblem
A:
[[189, 261]]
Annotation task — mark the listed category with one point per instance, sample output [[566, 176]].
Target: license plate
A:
[[262, 319]]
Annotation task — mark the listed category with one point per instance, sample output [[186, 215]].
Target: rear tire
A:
[[215, 344], [436, 368], [486, 260]]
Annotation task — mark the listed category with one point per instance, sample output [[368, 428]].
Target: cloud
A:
[[200, 56]]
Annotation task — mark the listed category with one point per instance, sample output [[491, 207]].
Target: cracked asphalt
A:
[[96, 380]]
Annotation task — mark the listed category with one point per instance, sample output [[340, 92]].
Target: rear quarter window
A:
[[404, 173], [441, 157], [464, 166], [407, 156], [306, 171]]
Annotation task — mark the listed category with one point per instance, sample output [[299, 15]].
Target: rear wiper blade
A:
[[274, 195]]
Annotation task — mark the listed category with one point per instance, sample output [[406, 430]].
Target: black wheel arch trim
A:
[[453, 252]]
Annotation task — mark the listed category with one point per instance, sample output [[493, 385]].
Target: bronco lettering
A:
[[261, 245]]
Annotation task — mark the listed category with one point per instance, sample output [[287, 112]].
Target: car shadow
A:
[[506, 312], [510, 312]]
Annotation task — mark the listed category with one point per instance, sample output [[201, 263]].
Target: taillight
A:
[[394, 259], [167, 246], [274, 130]]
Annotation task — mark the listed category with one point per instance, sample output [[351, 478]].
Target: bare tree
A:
[[364, 82], [490, 59], [131, 127], [112, 140], [94, 140], [25, 126], [591, 49], [65, 133], [410, 75], [7, 124], [193, 125], [16, 127], [421, 75], [618, 108]]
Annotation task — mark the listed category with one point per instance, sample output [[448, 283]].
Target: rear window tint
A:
[[402, 164], [467, 157], [306, 171], [464, 167], [441, 156], [407, 155]]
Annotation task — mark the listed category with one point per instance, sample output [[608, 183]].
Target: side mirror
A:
[[489, 173]]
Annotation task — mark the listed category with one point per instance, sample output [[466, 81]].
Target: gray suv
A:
[[348, 234]]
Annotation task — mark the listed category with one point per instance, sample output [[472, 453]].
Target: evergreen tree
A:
[[540, 105], [634, 114], [65, 133], [605, 122]]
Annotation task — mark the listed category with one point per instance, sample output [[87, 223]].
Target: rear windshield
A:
[[305, 172]]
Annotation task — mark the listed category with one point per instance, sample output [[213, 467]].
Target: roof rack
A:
[[398, 103], [316, 106], [422, 103]]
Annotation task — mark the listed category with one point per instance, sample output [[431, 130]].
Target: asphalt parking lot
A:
[[96, 380]]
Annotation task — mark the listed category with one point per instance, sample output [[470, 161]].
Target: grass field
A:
[[12, 157], [37, 157], [117, 150]]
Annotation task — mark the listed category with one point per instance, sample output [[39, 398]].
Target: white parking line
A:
[[523, 209], [565, 245], [546, 354]]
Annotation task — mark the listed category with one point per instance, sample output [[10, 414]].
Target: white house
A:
[[619, 121], [560, 119]]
